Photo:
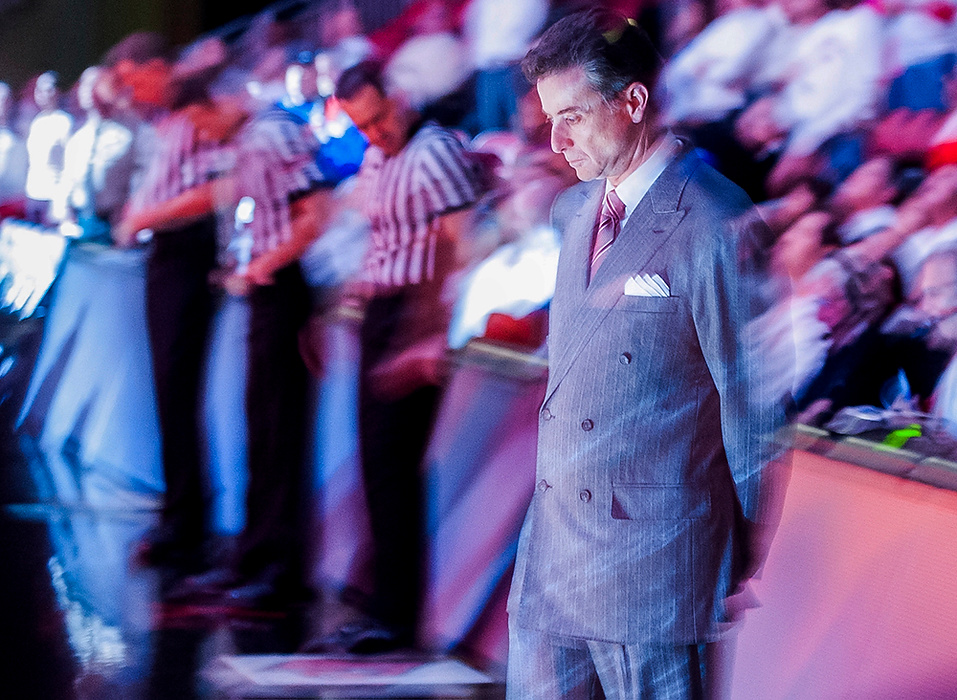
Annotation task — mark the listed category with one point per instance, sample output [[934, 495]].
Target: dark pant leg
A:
[[394, 435], [277, 390], [179, 307]]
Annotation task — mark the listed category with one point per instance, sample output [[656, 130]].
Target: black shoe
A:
[[225, 587], [368, 637], [206, 588], [163, 548], [262, 594]]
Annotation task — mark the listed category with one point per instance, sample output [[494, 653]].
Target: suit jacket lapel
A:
[[583, 307], [572, 276]]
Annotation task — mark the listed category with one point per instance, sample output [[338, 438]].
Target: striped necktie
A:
[[609, 225]]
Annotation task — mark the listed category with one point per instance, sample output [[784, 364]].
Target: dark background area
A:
[[69, 35]]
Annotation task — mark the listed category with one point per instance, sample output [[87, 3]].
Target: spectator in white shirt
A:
[[431, 63], [936, 297], [711, 76], [100, 160], [937, 199], [498, 33], [833, 82], [46, 141], [13, 154]]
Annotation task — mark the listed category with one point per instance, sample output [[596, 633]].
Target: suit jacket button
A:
[[543, 486], [584, 495], [625, 358], [546, 414], [587, 424]]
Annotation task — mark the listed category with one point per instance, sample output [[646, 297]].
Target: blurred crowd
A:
[[235, 161], [838, 120]]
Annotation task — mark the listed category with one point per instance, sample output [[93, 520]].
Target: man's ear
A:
[[636, 101]]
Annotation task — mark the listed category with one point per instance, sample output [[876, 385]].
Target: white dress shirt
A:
[[634, 187]]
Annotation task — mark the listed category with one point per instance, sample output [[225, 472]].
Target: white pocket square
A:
[[646, 285]]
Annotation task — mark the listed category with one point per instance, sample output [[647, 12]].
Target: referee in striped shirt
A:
[[175, 202], [420, 184]]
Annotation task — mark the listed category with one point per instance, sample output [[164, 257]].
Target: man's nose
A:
[[559, 138]]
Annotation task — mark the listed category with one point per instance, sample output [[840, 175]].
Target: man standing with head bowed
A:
[[653, 436], [420, 185]]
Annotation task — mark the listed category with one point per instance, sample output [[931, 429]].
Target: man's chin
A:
[[584, 173]]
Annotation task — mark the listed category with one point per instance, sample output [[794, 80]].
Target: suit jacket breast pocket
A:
[[656, 502], [649, 305]]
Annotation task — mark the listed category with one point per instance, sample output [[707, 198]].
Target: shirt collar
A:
[[634, 187]]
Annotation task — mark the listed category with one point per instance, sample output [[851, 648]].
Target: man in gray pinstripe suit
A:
[[652, 440]]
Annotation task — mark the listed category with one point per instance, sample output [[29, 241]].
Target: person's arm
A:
[[726, 305], [308, 217], [453, 228], [186, 208]]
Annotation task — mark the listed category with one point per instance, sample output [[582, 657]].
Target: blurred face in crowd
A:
[[150, 83], [205, 55], [757, 127], [383, 120], [725, 6], [45, 93], [339, 24], [85, 88], [433, 19], [686, 24], [801, 245], [531, 119], [599, 139], [107, 91], [301, 83], [803, 11], [217, 121], [868, 186], [937, 194], [937, 286], [937, 296], [798, 201]]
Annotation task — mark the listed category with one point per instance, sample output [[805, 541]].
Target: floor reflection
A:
[[80, 619], [93, 622]]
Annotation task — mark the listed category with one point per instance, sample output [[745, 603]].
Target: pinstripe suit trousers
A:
[[553, 667]]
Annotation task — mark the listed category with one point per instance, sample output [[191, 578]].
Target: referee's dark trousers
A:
[[394, 433], [272, 543], [179, 307]]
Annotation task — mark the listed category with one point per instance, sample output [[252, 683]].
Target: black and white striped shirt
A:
[[405, 196], [179, 162], [276, 162]]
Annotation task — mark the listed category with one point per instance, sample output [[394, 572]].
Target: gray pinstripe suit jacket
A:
[[651, 445]]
